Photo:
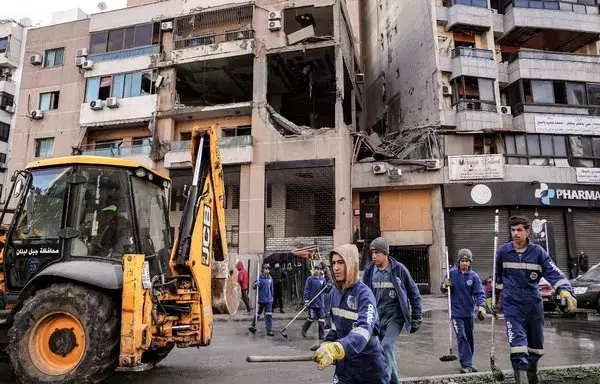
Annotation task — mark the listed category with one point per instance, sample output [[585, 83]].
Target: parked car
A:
[[547, 294], [587, 289]]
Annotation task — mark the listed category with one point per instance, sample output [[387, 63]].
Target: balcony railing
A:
[[115, 150], [210, 39], [181, 146], [579, 6], [473, 52], [133, 52], [471, 3], [556, 56], [235, 141], [475, 105]]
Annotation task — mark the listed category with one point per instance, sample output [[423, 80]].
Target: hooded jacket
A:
[[465, 287], [407, 293], [355, 321], [243, 279]]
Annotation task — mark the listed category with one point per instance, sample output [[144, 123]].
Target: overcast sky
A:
[[40, 11]]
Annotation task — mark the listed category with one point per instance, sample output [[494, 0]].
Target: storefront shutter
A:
[[587, 239]]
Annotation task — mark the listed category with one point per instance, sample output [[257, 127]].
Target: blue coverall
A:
[[316, 309], [398, 299], [518, 276], [265, 300], [465, 287], [355, 323]]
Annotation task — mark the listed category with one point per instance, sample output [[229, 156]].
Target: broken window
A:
[[214, 27], [244, 130], [473, 93], [308, 23], [485, 145], [121, 85], [221, 81], [302, 88]]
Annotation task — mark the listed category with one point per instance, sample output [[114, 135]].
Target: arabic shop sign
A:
[[567, 125], [588, 175], [476, 167]]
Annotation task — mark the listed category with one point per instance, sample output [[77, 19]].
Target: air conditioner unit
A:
[[81, 52], [37, 114], [447, 90], [378, 168], [112, 102], [88, 64], [10, 108], [79, 61], [274, 15], [35, 59], [6, 71], [166, 26], [96, 105], [397, 172], [360, 78], [274, 25], [505, 110]]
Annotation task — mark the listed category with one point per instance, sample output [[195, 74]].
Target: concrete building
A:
[[278, 80], [12, 39], [479, 106]]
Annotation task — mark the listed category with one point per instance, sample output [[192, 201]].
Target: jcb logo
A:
[[206, 235]]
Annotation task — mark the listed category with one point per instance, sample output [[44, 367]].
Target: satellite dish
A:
[[102, 6]]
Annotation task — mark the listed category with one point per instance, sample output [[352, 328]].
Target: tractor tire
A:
[[156, 354], [66, 334]]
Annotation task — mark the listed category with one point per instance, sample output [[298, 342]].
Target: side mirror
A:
[[18, 188]]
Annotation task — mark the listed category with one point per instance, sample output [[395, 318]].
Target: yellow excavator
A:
[[89, 280]]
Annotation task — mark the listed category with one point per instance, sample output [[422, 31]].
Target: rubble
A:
[[286, 127]]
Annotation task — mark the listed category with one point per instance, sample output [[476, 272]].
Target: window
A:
[[121, 86], [6, 100], [593, 92], [269, 195], [123, 38], [44, 147], [535, 149], [244, 130], [2, 161], [585, 151], [141, 145], [484, 145], [54, 57], [3, 44], [553, 92], [4, 133], [48, 101], [109, 148], [235, 196], [473, 93], [185, 136]]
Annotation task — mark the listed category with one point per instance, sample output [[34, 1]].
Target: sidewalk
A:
[[430, 303]]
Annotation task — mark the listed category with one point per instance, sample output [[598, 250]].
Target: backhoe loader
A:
[[89, 280]]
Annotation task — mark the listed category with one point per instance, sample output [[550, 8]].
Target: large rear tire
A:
[[65, 334]]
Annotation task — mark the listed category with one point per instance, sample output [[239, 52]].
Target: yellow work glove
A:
[[481, 313], [327, 353], [447, 283], [568, 301]]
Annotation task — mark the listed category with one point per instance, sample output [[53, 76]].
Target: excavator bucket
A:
[[225, 290]]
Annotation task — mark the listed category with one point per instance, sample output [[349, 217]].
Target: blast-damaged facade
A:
[[278, 81], [476, 106]]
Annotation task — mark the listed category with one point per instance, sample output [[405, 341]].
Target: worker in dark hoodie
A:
[[351, 342], [467, 297]]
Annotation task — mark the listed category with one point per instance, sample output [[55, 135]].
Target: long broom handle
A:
[[496, 229], [278, 359], [449, 304], [257, 288]]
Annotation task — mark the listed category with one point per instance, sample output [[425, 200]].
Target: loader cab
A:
[[85, 208]]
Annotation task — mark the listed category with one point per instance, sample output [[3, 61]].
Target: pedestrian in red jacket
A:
[[243, 281]]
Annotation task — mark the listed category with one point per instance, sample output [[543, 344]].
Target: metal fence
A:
[[416, 259]]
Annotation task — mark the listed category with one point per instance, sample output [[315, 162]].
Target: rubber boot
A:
[[521, 377], [532, 374], [305, 328]]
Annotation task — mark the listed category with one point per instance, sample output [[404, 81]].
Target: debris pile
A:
[[416, 143], [286, 127]]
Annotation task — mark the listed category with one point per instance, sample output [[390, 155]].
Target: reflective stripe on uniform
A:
[[363, 332], [521, 349], [386, 284], [499, 286], [539, 352], [321, 320], [525, 266], [333, 328], [268, 313], [561, 282], [344, 313]]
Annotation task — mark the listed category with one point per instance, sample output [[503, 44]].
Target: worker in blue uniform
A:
[[316, 311], [519, 267], [466, 292], [264, 283], [352, 341], [398, 300]]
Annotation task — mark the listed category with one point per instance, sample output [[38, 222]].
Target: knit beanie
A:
[[379, 244], [465, 253]]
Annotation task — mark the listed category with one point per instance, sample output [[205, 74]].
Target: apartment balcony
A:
[[130, 110], [468, 16], [477, 116], [234, 150], [533, 24], [553, 65], [8, 86], [6, 60], [125, 53], [473, 62], [122, 150], [556, 119]]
